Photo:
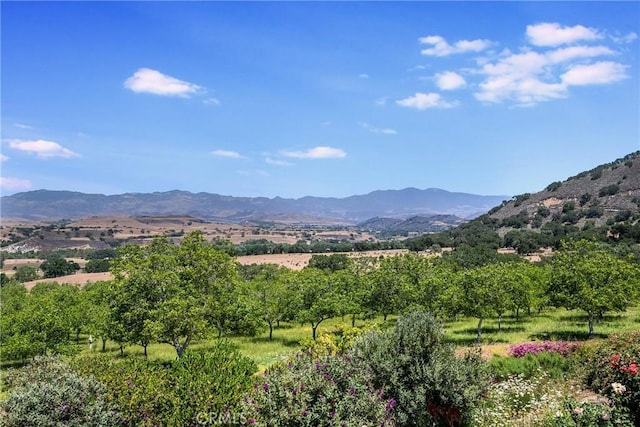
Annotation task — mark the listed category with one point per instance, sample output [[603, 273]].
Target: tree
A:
[[477, 294], [332, 263], [56, 266], [275, 295], [25, 273], [586, 276], [171, 292], [320, 298]]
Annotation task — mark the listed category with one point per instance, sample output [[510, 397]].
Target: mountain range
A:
[[399, 204]]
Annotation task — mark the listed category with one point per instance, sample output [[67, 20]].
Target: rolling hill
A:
[[47, 204]]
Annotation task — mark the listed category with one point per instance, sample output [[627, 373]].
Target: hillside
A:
[[605, 194], [46, 204], [414, 224]]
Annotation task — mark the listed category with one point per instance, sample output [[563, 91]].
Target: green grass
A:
[[556, 324]]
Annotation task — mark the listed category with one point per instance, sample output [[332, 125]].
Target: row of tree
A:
[[177, 293]]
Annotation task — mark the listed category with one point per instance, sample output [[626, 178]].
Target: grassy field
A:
[[556, 324]]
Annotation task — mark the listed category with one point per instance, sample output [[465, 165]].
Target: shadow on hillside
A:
[[565, 336], [583, 318]]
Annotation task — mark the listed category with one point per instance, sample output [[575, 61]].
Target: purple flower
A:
[[305, 413], [251, 421], [265, 386], [390, 404], [352, 390]]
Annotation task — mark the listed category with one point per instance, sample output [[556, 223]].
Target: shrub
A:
[[181, 392], [323, 391], [48, 392], [609, 190], [613, 369], [554, 186], [414, 366], [560, 347]]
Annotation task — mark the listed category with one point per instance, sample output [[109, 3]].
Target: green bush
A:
[[613, 369], [413, 365], [317, 391], [48, 392], [182, 392]]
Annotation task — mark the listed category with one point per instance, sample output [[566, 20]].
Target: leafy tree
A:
[[97, 296], [274, 293], [56, 266], [320, 298], [332, 263], [97, 266], [586, 276], [25, 273], [170, 293]]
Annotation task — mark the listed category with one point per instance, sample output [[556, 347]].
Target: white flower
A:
[[618, 388]]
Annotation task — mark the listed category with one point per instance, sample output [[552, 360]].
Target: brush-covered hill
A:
[[608, 192], [602, 204]]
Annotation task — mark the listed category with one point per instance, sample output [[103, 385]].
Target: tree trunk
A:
[[121, 350], [270, 331], [313, 331], [104, 345], [145, 351], [518, 313], [384, 316], [500, 322], [590, 324], [479, 337], [353, 320]]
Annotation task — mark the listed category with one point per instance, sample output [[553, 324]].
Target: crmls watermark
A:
[[222, 419]]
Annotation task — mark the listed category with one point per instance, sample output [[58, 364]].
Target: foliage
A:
[[48, 392], [56, 266], [588, 277], [172, 293], [616, 361], [181, 392], [25, 273], [97, 265], [322, 391], [413, 365], [554, 364], [559, 347]]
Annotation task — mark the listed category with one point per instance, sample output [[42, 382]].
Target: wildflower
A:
[[633, 369], [251, 421], [390, 404], [265, 386], [618, 388], [352, 390], [605, 416], [578, 410]]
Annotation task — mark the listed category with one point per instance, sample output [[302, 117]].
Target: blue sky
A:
[[325, 99]]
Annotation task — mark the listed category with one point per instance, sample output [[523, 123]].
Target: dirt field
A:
[[292, 261]]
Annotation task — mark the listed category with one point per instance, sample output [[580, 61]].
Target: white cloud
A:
[[423, 101], [627, 38], [42, 148], [228, 154], [598, 73], [14, 184], [440, 47], [381, 101], [211, 101], [146, 80], [277, 162], [449, 80], [575, 52], [552, 34], [531, 77], [317, 153], [22, 126], [373, 129], [3, 158], [363, 76]]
